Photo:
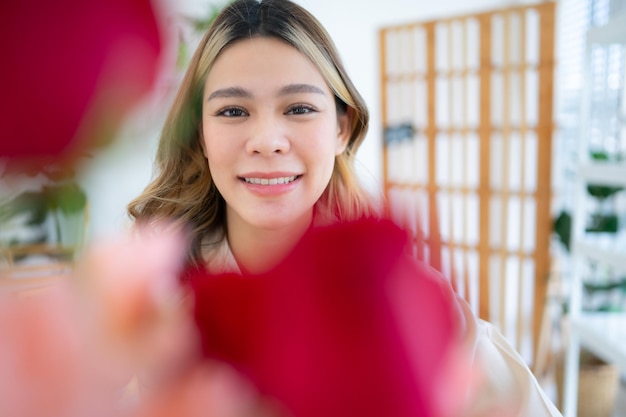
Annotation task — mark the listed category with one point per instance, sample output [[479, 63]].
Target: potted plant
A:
[[51, 214], [604, 219]]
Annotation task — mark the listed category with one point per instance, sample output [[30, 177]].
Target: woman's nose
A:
[[267, 137]]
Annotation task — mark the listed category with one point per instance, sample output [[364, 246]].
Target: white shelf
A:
[[604, 334], [610, 256], [613, 32], [606, 173]]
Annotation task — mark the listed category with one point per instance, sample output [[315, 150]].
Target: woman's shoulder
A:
[[217, 257]]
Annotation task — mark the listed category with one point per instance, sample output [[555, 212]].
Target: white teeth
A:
[[272, 181]]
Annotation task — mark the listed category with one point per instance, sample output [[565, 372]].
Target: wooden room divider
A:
[[467, 105]]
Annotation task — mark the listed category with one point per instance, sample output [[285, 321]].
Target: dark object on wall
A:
[[399, 133]]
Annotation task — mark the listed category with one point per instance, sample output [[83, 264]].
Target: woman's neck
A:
[[257, 250]]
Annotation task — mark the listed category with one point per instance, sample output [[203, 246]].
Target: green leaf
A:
[[602, 191], [68, 197], [563, 228], [607, 223], [599, 155], [32, 202]]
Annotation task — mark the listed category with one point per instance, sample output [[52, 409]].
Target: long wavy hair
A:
[[182, 189]]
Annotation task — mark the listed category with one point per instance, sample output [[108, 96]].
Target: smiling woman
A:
[[296, 280], [271, 132], [264, 98]]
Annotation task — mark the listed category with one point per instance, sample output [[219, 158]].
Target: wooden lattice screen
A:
[[467, 105]]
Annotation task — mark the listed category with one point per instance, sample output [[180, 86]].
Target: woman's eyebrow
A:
[[230, 92], [238, 92], [300, 88]]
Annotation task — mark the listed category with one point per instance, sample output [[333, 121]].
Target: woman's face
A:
[[271, 133]]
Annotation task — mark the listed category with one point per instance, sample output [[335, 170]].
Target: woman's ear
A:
[[344, 129]]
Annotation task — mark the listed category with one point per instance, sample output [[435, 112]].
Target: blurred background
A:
[[483, 113]]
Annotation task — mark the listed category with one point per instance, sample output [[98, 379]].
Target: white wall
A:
[[119, 173]]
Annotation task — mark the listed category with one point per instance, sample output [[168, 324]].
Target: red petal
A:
[[323, 331], [59, 56]]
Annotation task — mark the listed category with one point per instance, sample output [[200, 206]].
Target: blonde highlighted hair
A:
[[183, 189]]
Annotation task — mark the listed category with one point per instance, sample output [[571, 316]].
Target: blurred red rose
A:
[[71, 69], [346, 326]]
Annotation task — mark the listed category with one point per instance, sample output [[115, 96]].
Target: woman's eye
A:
[[300, 109], [232, 112]]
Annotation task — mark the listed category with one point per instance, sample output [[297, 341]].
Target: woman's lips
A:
[[270, 181], [270, 184]]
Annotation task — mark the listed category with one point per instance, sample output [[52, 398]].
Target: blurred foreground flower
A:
[[78, 348], [346, 326], [71, 348], [72, 70]]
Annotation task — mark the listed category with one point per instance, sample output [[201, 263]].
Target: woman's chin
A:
[[275, 218]]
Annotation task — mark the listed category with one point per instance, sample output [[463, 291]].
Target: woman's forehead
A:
[[264, 63]]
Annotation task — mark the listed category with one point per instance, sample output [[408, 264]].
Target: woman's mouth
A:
[[271, 181]]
